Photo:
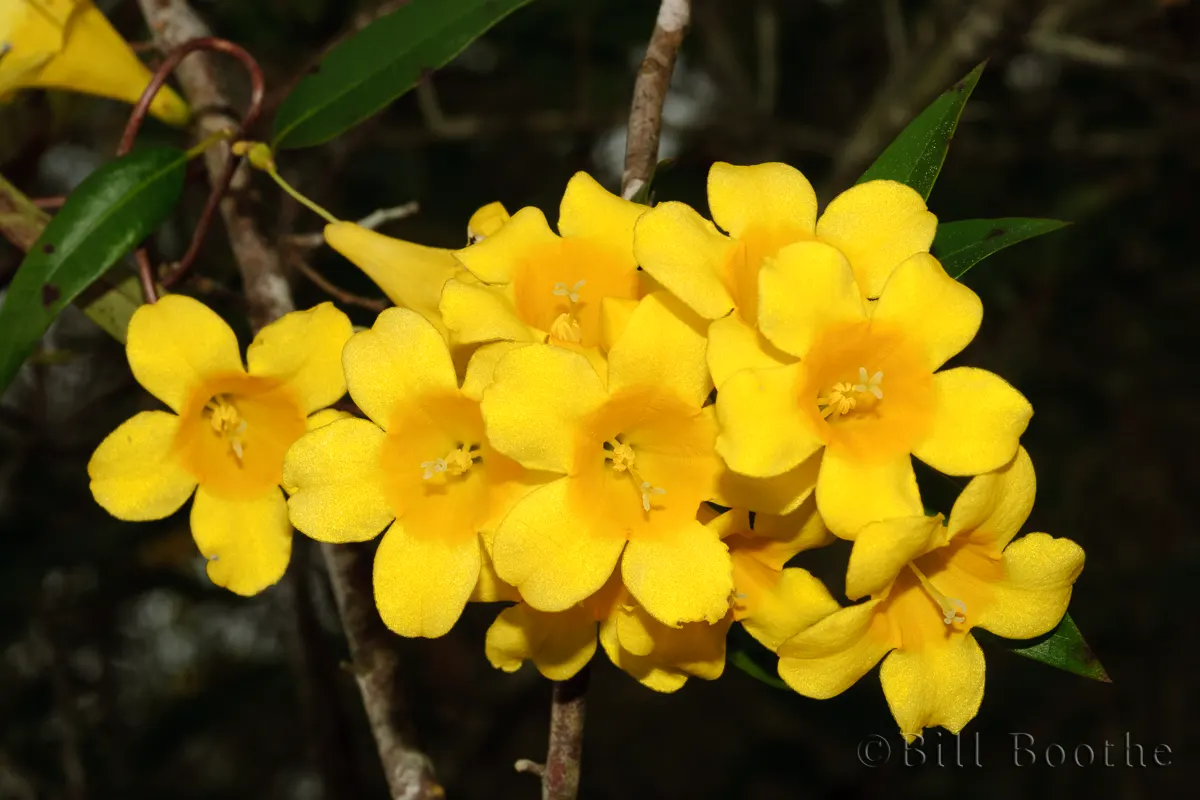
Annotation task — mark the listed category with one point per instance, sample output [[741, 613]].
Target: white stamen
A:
[[432, 468], [572, 293], [647, 491], [958, 607]]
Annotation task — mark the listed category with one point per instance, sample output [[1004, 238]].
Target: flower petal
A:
[[481, 313], [175, 344], [994, 506], [976, 424], [400, 358], [248, 543], [829, 657], [422, 582], [304, 349], [780, 494], [774, 196], [883, 548], [335, 479], [411, 275], [486, 221], [679, 575], [615, 313], [936, 312], [940, 684], [685, 253], [776, 539], [734, 345], [806, 288], [877, 225], [774, 613], [489, 588], [763, 433], [590, 211], [481, 369], [641, 668], [324, 417], [535, 404], [554, 551], [662, 346], [851, 494], [558, 644], [1032, 598], [497, 258], [135, 473]]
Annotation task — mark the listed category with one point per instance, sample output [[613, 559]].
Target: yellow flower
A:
[[537, 284], [633, 456], [420, 464], [229, 432], [764, 208], [930, 584], [865, 395], [68, 44], [561, 643], [772, 602]]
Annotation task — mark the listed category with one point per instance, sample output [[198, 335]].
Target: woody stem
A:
[[560, 775]]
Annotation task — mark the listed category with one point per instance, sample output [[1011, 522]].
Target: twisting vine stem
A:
[[219, 187]]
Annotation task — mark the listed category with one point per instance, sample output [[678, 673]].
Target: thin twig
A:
[[219, 186], [649, 92], [336, 292], [560, 773], [269, 297]]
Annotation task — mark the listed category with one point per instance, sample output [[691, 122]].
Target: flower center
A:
[[228, 424], [566, 327], [845, 397], [623, 457], [455, 463], [953, 609]]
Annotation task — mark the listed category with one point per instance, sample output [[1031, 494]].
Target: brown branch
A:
[[649, 92], [269, 297], [560, 773], [409, 772], [343, 296]]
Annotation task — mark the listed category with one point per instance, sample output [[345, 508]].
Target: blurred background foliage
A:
[[125, 674]]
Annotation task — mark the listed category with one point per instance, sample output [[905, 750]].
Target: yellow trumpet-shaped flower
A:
[[866, 393], [762, 209], [532, 285], [561, 643], [419, 467], [774, 602], [633, 456], [68, 44], [228, 435], [929, 585]]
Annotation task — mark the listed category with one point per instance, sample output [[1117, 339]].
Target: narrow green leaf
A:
[[114, 209], [1064, 648], [915, 157], [963, 244], [380, 63], [111, 306], [747, 654]]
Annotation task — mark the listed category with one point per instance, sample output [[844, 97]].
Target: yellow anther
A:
[[953, 609], [456, 462], [622, 456], [566, 329], [845, 397], [227, 422]]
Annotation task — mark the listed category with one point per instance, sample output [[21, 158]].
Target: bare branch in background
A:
[[909, 86], [269, 297], [649, 92], [560, 774]]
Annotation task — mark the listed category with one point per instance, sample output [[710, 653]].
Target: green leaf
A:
[[915, 156], [111, 306], [380, 63], [1064, 648], [961, 245], [748, 654], [111, 212]]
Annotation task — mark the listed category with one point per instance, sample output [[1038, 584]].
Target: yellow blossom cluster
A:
[[628, 428]]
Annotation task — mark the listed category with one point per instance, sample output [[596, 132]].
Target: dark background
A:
[[125, 674]]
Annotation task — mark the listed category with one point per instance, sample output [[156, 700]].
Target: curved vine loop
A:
[[146, 271]]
